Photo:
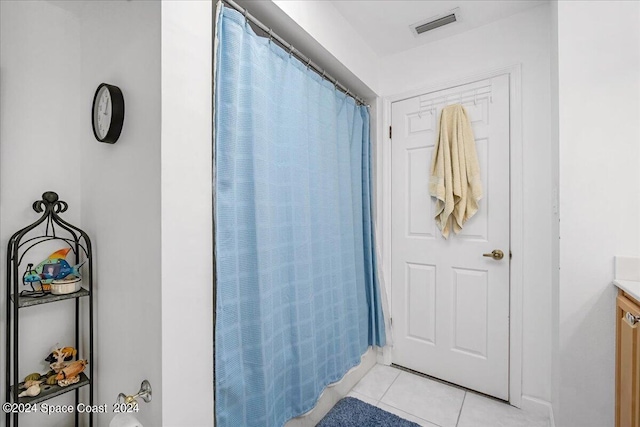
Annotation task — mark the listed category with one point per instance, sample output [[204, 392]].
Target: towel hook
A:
[[335, 85], [246, 20], [323, 73], [291, 48], [308, 62], [347, 92]]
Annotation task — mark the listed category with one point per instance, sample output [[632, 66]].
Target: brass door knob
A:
[[496, 254]]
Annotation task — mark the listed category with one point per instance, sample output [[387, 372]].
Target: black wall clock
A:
[[107, 115]]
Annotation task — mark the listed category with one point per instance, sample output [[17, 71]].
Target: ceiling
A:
[[385, 25]]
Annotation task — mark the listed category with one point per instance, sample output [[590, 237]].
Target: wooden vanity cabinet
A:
[[627, 361]]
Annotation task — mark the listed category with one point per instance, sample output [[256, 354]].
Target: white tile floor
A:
[[434, 404]]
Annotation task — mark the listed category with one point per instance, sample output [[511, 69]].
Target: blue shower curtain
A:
[[297, 299]]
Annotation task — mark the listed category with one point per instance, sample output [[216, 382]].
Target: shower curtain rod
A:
[[293, 51]]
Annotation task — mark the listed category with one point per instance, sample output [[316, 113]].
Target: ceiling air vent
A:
[[436, 22]]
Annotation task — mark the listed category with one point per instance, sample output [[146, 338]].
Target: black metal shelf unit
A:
[[56, 229]]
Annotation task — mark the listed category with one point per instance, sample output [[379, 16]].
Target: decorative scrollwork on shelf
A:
[[55, 228], [50, 203]]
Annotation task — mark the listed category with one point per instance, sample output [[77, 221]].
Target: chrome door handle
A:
[[496, 254]]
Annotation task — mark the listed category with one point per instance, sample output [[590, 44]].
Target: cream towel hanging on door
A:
[[455, 173]]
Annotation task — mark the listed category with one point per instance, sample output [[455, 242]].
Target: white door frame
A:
[[383, 164]]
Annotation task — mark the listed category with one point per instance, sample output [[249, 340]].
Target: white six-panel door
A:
[[450, 304]]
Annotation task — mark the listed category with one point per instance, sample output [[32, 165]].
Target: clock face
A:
[[102, 111], [107, 114]]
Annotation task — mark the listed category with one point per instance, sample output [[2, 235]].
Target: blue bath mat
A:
[[351, 412]]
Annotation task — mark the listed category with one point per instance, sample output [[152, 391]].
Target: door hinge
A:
[[389, 132]]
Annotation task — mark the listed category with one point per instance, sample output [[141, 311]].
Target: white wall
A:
[[520, 39], [599, 134], [53, 56], [39, 128], [555, 234], [187, 236], [332, 31], [318, 30], [120, 194]]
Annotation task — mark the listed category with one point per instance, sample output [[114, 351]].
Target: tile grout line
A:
[[392, 382], [379, 401], [461, 406], [409, 413], [413, 415]]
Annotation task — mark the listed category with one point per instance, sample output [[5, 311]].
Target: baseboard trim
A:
[[336, 391], [384, 355], [537, 406]]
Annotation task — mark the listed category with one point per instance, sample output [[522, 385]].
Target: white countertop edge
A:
[[631, 287]]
